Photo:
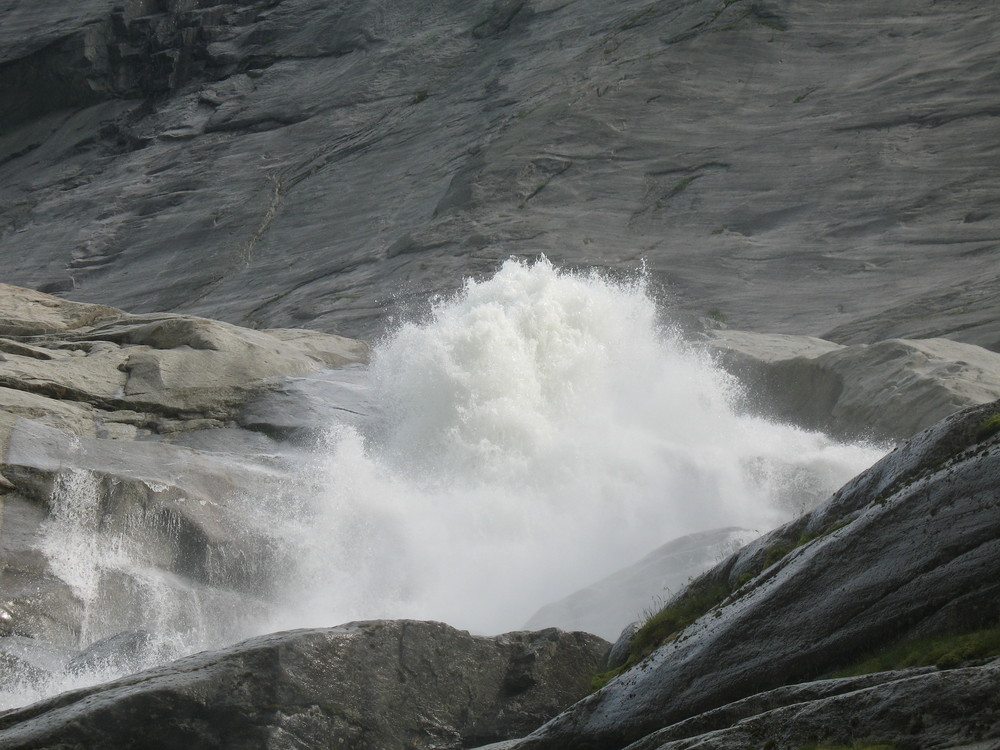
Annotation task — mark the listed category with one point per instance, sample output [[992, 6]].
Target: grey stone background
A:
[[793, 166]]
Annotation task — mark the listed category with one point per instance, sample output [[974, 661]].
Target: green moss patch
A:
[[944, 651], [666, 625], [988, 427]]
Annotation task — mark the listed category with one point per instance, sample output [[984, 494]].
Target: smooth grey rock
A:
[[608, 605], [789, 166], [908, 549], [384, 684], [936, 709], [890, 389]]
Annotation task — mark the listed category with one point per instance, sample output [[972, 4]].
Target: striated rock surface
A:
[[889, 389], [954, 708], [907, 550], [788, 165], [383, 684]]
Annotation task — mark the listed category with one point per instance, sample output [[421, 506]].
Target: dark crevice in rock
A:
[[129, 56]]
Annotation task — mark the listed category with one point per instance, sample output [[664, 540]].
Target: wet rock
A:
[[122, 653], [906, 550], [124, 475], [388, 684], [927, 710]]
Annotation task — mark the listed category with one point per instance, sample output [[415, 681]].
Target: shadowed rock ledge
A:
[[390, 685]]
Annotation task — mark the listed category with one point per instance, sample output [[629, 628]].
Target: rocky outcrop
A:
[[607, 606], [96, 371], [890, 389], [906, 551], [128, 447], [785, 165], [953, 708], [390, 684]]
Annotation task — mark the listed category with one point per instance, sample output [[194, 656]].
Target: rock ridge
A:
[[384, 684]]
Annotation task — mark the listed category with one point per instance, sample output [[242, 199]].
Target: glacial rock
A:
[[124, 474], [890, 389], [384, 684], [908, 549], [787, 166], [170, 528], [608, 605]]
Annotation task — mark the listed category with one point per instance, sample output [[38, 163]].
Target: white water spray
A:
[[538, 432], [541, 431]]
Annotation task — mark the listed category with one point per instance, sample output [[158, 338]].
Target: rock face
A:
[[97, 371], [909, 708], [791, 166], [399, 684], [607, 606], [890, 389], [907, 550], [128, 448]]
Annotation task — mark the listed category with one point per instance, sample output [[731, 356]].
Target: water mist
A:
[[537, 432]]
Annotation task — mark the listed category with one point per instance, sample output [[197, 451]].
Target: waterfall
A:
[[534, 433], [539, 430]]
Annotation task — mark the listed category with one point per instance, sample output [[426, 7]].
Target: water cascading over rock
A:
[[534, 433], [538, 431]]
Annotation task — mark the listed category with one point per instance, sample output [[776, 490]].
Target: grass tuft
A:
[[944, 652]]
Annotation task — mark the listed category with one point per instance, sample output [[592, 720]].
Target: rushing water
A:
[[538, 431]]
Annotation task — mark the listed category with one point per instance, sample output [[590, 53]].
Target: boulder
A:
[[886, 390], [907, 550], [381, 684]]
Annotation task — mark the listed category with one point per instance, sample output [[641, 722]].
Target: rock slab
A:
[[383, 684], [884, 390]]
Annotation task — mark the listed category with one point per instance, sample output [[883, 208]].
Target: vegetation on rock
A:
[[943, 651]]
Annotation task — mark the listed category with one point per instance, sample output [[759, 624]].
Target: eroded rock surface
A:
[[97, 371], [127, 471], [390, 684]]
